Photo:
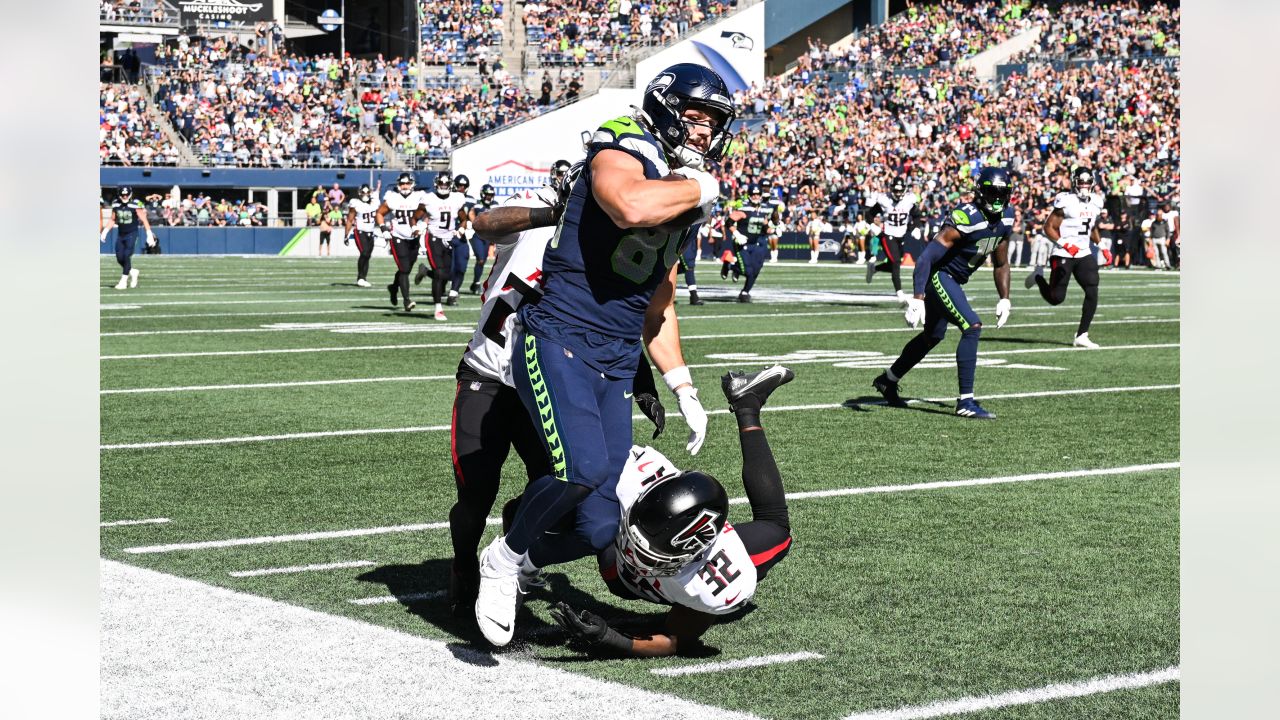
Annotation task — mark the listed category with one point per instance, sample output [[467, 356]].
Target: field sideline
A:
[[275, 474]]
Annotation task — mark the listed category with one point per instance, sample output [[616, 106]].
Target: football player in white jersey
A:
[[442, 207], [1072, 227], [675, 545], [459, 246], [402, 220], [898, 211], [488, 417], [362, 214]]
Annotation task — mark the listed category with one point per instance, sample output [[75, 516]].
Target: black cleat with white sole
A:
[[757, 385], [423, 273]]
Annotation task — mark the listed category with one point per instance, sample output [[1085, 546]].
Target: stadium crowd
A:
[[460, 31], [577, 32], [1101, 30], [126, 134]]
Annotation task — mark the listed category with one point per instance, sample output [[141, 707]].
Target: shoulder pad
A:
[[617, 128]]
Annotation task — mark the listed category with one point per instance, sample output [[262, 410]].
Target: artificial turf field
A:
[[271, 402]]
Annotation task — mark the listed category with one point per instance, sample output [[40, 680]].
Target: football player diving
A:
[[675, 545], [971, 232]]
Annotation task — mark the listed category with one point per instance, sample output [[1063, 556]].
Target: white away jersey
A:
[[1080, 214], [366, 214], [442, 214], [719, 581], [402, 208], [516, 277], [896, 216]]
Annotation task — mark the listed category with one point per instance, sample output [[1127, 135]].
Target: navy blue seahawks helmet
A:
[[461, 183], [125, 194], [992, 193], [754, 189], [682, 87], [487, 192], [671, 522]]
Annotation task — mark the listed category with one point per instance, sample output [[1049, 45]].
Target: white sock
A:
[[453, 293], [813, 254], [773, 255], [889, 374], [693, 288], [967, 396], [439, 307], [503, 558], [526, 567]]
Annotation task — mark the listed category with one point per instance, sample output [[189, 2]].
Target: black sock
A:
[[760, 476]]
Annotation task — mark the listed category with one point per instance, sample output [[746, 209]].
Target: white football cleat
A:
[[497, 600], [124, 282], [363, 283], [1082, 340], [133, 278], [440, 316]]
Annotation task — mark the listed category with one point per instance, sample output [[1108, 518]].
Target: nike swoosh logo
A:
[[506, 628], [732, 600], [626, 394], [643, 465]]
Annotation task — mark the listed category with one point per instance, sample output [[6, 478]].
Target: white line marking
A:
[[176, 648], [406, 598], [851, 331], [1109, 683], [736, 664], [121, 523], [361, 532], [316, 291], [835, 357], [367, 298], [397, 328], [300, 568], [722, 411], [257, 386]]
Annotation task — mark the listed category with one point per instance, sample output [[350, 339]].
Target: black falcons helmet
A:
[[125, 194], [405, 183], [365, 192], [671, 522], [898, 188], [444, 183], [563, 182], [677, 89], [992, 193], [1082, 179], [559, 170], [461, 183], [487, 192]]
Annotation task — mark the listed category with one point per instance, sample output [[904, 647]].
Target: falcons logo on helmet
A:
[[697, 534]]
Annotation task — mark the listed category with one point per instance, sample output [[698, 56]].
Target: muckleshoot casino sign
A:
[[223, 11]]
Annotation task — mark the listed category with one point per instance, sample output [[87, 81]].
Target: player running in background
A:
[[126, 214], [403, 231], [898, 211], [442, 208], [688, 261], [362, 214], [971, 233], [1071, 227], [675, 545], [480, 244], [609, 294], [460, 245], [749, 225], [776, 216]]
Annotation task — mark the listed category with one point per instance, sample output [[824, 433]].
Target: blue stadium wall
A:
[[198, 178], [214, 241]]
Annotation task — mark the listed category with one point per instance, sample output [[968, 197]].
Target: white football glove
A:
[[915, 312], [738, 238], [694, 416], [1002, 312], [468, 233], [104, 235], [420, 230], [151, 240], [708, 186]]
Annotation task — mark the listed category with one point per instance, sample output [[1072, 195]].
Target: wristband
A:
[[676, 377], [615, 641], [542, 217]]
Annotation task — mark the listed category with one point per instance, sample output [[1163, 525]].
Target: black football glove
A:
[[589, 628], [652, 408]]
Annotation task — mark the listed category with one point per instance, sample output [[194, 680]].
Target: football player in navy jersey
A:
[[971, 232], [480, 244], [674, 544], [750, 225], [609, 294], [126, 214]]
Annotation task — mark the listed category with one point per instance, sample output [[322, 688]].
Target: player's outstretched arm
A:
[[508, 220], [682, 625], [631, 200]]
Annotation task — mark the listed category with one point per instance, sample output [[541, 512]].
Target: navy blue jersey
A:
[[600, 278], [468, 204], [125, 215], [978, 238], [756, 221]]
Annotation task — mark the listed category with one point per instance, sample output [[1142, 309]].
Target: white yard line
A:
[[301, 568], [750, 662], [177, 648], [122, 523], [727, 363], [145, 295], [722, 411], [965, 705], [259, 386], [361, 532], [378, 297], [718, 336], [406, 598]]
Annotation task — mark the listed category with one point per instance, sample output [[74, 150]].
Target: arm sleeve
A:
[[933, 252]]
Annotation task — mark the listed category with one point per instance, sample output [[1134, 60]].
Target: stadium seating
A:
[[126, 134], [577, 32], [460, 31]]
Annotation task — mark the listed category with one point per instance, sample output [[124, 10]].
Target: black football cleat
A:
[[395, 294], [737, 386], [724, 271], [475, 288], [451, 300], [871, 271], [744, 297], [889, 390], [409, 306], [423, 273], [694, 299]]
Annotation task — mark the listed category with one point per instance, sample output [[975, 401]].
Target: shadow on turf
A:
[[404, 581], [860, 404], [1023, 341]]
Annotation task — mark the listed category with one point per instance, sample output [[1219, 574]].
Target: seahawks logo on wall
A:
[[739, 40], [698, 534]]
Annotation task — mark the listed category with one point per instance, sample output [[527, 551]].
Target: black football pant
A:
[[404, 252], [364, 243], [440, 259], [891, 248], [1061, 270], [488, 420]]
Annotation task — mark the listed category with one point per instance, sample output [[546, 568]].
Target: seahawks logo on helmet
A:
[[739, 41]]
